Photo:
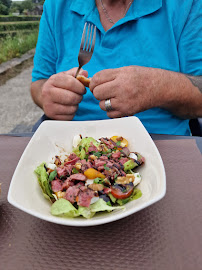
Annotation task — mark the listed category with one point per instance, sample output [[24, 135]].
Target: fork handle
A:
[[77, 72]]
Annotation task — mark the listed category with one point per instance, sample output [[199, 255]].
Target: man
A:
[[147, 62]]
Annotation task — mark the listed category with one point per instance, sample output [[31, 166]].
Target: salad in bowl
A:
[[98, 175]]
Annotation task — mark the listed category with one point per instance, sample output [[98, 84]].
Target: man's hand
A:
[[135, 89], [130, 90], [61, 94]]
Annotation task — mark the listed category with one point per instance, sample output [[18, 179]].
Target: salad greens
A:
[[98, 175], [63, 207], [43, 180]]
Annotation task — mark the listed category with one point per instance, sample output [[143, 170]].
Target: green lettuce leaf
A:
[[101, 205], [112, 198], [137, 193], [42, 177], [79, 152], [63, 208], [83, 146], [134, 196], [85, 142], [85, 212]]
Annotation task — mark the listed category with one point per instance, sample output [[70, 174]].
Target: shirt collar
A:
[[138, 9], [83, 7]]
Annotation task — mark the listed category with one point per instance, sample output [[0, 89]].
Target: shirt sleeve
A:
[[46, 54], [190, 43]]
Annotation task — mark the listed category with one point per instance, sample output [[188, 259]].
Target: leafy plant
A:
[[11, 47]]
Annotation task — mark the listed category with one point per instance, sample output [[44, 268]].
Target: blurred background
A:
[[19, 24]]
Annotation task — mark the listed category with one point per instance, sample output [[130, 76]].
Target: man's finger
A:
[[105, 91], [113, 104], [102, 77], [65, 97], [66, 81], [60, 112]]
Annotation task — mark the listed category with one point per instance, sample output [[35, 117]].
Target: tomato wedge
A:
[[122, 192]]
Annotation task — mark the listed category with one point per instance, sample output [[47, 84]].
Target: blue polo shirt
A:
[[154, 33]]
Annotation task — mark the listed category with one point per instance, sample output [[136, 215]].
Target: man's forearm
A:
[[36, 89], [196, 81], [182, 94]]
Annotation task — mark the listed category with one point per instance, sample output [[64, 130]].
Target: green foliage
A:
[[4, 6], [18, 26], [11, 47], [3, 9], [13, 33], [27, 4], [38, 2], [18, 34], [6, 3], [19, 18]]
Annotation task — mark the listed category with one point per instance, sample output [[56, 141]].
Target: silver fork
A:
[[87, 45]]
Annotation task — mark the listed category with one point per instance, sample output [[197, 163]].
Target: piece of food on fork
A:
[[84, 80]]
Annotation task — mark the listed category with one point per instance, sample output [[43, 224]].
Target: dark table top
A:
[[166, 235]]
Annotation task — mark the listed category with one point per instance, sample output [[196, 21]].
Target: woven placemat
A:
[[166, 235]]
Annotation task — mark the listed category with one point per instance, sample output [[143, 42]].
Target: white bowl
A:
[[25, 193]]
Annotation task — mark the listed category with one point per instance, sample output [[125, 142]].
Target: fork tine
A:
[[83, 36], [86, 49], [87, 40], [93, 42], [89, 44]]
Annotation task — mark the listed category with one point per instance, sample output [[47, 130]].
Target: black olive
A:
[[137, 162], [105, 198], [121, 187], [101, 192], [130, 184]]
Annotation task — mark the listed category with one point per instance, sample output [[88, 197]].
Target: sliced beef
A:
[[72, 193], [56, 185], [109, 164], [72, 162], [107, 142], [103, 158], [69, 169], [85, 165], [116, 155], [98, 163], [92, 148], [78, 177], [84, 197], [125, 151], [122, 173], [118, 165], [101, 168], [123, 160], [67, 183], [62, 171], [72, 156]]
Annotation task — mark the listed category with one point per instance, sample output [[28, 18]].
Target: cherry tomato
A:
[[122, 192]]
